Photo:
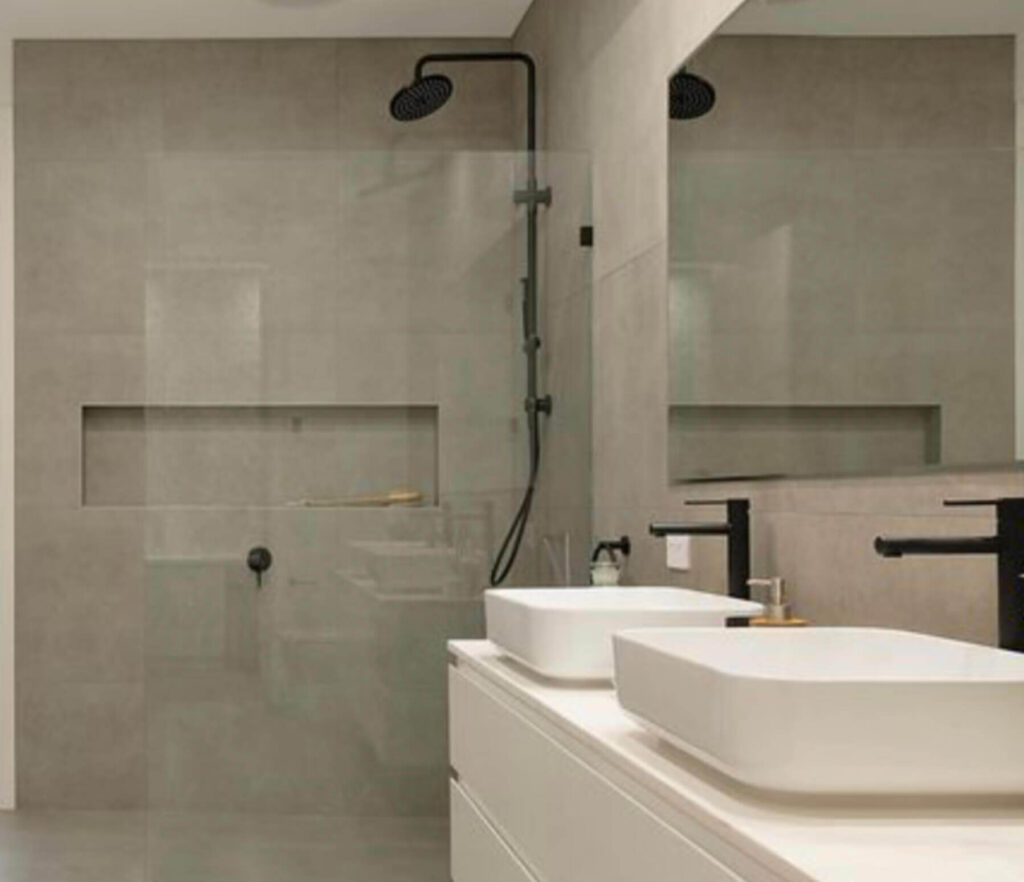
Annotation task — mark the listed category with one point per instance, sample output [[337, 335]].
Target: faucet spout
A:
[[894, 548], [1006, 547], [693, 529], [735, 529]]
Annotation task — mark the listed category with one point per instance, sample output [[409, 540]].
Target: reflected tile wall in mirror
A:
[[843, 236]]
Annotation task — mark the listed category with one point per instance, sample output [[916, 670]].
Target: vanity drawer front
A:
[[567, 822], [478, 852]]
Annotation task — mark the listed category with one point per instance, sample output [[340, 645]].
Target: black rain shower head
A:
[[689, 96], [426, 95]]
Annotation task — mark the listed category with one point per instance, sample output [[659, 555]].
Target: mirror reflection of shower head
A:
[[424, 96], [689, 96]]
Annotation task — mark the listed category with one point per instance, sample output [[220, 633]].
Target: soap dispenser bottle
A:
[[777, 613]]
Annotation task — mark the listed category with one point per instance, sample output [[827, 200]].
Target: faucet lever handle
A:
[[967, 503]]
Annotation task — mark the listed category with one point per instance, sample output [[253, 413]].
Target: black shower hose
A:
[[509, 551]]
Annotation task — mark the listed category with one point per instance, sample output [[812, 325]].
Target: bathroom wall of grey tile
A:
[[605, 69], [225, 222]]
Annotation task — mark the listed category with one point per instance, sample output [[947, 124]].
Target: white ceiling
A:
[[127, 19], [878, 17]]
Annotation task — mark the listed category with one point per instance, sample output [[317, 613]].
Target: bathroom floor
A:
[[158, 847]]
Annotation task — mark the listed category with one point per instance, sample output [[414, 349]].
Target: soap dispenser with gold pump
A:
[[777, 612]]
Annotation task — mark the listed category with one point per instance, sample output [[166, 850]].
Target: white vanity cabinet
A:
[[556, 783], [525, 808], [478, 850]]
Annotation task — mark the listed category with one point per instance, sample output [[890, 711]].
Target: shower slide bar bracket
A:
[[545, 404], [534, 196]]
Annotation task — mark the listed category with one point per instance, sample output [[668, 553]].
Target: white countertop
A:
[[824, 841]]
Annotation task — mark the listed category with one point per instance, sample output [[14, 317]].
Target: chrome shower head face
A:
[[689, 96], [421, 98]]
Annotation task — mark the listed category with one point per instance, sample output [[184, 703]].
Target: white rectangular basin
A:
[[566, 633], [836, 711]]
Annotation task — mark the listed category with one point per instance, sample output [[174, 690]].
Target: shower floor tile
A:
[[72, 846], [164, 847]]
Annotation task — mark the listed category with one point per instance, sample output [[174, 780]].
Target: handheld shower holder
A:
[[545, 405], [534, 197]]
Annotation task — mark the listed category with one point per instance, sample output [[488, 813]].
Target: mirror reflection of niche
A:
[[842, 257]]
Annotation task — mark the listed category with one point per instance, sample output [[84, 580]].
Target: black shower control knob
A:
[[259, 560]]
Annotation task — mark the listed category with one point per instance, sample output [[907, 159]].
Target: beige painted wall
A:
[[605, 67]]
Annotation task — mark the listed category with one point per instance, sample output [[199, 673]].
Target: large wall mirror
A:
[[846, 273]]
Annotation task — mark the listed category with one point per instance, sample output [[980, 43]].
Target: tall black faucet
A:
[[1008, 547], [736, 529]]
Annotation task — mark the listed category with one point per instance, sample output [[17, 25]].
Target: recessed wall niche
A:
[[257, 455], [744, 441]]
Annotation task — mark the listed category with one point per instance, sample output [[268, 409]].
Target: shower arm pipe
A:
[[531, 89]]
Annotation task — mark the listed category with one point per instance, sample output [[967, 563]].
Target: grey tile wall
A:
[[605, 69], [222, 222]]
